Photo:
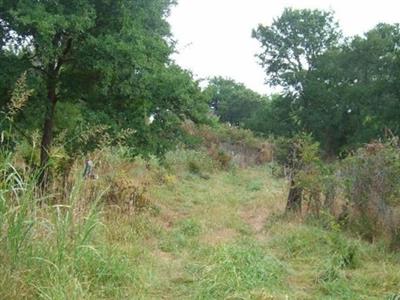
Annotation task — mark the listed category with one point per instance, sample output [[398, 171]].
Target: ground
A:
[[226, 237]]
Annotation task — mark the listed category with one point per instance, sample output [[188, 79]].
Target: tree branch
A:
[[63, 57]]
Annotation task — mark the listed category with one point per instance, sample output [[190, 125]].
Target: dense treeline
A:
[[344, 91], [98, 77]]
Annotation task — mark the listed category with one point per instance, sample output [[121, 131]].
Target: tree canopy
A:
[[102, 70], [343, 91], [232, 102], [292, 43], [104, 63]]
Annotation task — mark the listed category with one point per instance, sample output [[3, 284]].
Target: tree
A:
[[172, 97], [352, 95], [276, 117], [232, 101], [85, 50], [344, 92], [293, 42]]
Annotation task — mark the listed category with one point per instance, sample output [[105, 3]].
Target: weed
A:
[[236, 270], [52, 248], [255, 186]]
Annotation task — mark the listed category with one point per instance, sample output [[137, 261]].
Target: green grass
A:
[[236, 270], [54, 251], [219, 238]]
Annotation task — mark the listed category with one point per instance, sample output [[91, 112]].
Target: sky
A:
[[214, 36]]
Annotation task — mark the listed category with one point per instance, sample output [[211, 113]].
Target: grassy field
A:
[[222, 236]]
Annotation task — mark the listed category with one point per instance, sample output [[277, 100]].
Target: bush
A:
[[125, 181], [371, 180], [222, 133], [127, 193], [222, 159], [309, 176], [183, 161], [366, 184], [228, 145]]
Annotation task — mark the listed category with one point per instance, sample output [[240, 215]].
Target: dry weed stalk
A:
[[19, 98]]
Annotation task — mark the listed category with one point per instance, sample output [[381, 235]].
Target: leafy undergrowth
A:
[[219, 237]]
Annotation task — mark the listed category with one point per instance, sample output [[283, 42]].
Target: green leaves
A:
[[293, 42], [105, 63], [232, 101], [344, 92]]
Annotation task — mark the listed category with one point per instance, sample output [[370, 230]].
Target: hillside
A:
[[220, 236], [125, 175], [226, 238]]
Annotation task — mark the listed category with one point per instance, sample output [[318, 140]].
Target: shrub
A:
[[222, 133], [183, 161], [229, 145], [127, 193], [125, 181], [222, 159], [366, 184], [309, 176], [371, 180]]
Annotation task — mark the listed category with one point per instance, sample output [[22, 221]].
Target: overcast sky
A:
[[214, 36]]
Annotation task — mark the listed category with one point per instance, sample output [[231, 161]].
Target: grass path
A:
[[225, 238], [222, 236]]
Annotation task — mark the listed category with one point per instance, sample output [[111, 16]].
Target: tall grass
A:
[[52, 251], [233, 271]]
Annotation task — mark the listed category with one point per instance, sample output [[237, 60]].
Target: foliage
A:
[[293, 42], [97, 63], [349, 98], [51, 251], [19, 98], [372, 189], [277, 117], [308, 176], [340, 90], [222, 133], [361, 192], [315, 177], [232, 102], [230, 146]]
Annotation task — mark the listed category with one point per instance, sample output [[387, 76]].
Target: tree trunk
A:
[[52, 75], [47, 137], [294, 198]]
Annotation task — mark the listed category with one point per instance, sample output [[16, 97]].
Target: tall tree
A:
[[293, 42], [276, 117], [354, 91], [291, 47], [85, 49]]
